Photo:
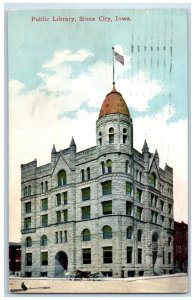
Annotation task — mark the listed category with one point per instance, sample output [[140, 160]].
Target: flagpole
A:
[[113, 66]]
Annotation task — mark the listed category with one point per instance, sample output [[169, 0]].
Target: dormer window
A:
[[111, 135]]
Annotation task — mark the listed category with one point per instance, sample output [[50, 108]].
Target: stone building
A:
[[180, 247], [106, 209]]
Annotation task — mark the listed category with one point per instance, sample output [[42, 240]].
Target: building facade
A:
[[180, 247], [106, 209]]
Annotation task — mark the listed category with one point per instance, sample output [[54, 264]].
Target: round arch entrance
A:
[[61, 264]]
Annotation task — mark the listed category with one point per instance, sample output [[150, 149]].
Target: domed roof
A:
[[114, 104]]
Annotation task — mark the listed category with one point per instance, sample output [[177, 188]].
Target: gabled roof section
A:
[[60, 158]]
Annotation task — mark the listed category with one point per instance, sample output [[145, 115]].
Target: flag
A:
[[119, 58]]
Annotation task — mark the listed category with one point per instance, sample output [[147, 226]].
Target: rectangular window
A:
[[139, 213], [58, 216], [129, 255], [27, 223], [107, 207], [138, 195], [28, 207], [65, 197], [65, 236], [162, 205], [86, 256], [170, 209], [169, 258], [86, 194], [65, 215], [129, 208], [44, 204], [111, 138], [107, 187], [107, 255], [44, 220], [163, 257], [129, 188], [58, 199], [152, 199], [44, 258], [155, 201], [56, 237], [85, 212], [28, 259], [162, 219], [139, 256], [60, 236]]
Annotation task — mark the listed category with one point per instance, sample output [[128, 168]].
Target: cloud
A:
[[67, 56]]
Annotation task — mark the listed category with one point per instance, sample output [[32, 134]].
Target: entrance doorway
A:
[[61, 264]]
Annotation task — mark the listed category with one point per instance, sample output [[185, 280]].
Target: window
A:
[[169, 208], [82, 175], [58, 199], [44, 258], [129, 208], [107, 188], [107, 255], [41, 187], [44, 220], [65, 236], [154, 217], [139, 235], [65, 197], [156, 201], [138, 195], [103, 167], [62, 178], [139, 256], [152, 180], [85, 212], [27, 223], [58, 216], [169, 258], [100, 138], [124, 135], [107, 232], [169, 241], [86, 256], [137, 172], [44, 204], [163, 257], [86, 194], [127, 167], [86, 235], [44, 240], [111, 135], [88, 174], [162, 205], [28, 241], [46, 186], [170, 223], [139, 213], [152, 199], [129, 255], [129, 232], [107, 207], [140, 176], [65, 215], [109, 166], [61, 237], [28, 207], [56, 237], [25, 192], [43, 274], [129, 188], [29, 190], [28, 259]]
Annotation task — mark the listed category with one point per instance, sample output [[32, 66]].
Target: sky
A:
[[60, 72]]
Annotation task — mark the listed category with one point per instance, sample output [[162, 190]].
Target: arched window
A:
[[109, 166], [139, 235], [103, 167], [111, 135], [86, 235], [62, 178], [25, 191], [107, 232], [28, 241], [88, 174], [82, 175], [155, 237], [46, 186], [127, 167], [44, 240], [29, 190], [124, 135], [152, 180], [41, 187], [129, 232], [100, 138]]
